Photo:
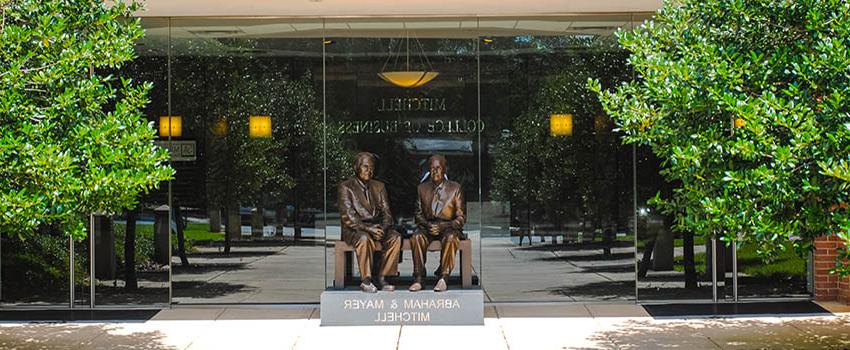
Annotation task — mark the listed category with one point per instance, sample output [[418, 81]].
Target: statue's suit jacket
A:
[[450, 207], [356, 213]]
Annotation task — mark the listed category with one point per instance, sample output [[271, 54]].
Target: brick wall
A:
[[829, 287]]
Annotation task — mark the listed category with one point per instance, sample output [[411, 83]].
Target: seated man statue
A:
[[366, 220], [439, 215]]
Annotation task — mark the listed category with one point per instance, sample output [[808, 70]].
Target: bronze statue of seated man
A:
[[366, 221], [440, 216]]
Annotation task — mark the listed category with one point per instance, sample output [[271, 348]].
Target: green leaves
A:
[[782, 69], [72, 141]]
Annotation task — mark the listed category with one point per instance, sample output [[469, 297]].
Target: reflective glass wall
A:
[[403, 121], [263, 118], [247, 201], [557, 182], [675, 265]]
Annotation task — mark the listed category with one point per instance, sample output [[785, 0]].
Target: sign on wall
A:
[[181, 151]]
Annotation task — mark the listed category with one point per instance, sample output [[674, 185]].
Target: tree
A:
[[746, 104], [72, 141]]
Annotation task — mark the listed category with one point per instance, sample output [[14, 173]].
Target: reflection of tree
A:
[[567, 177], [260, 172]]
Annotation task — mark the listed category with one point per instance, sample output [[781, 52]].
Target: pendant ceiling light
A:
[[401, 74]]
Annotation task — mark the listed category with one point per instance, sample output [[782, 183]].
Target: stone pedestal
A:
[[257, 222], [662, 252], [215, 219], [161, 235], [233, 226], [355, 308], [104, 247]]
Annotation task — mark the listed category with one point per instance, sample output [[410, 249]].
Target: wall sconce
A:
[[170, 126], [561, 124], [219, 128], [260, 126]]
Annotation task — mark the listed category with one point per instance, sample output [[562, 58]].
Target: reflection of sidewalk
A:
[[271, 273], [529, 326], [546, 272]]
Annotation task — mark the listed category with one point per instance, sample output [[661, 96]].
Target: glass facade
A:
[[263, 118]]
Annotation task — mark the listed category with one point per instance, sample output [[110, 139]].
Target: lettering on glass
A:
[[412, 104], [435, 126]]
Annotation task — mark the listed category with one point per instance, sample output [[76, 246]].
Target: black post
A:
[[130, 280], [181, 240], [690, 270]]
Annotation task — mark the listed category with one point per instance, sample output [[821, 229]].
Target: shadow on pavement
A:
[[76, 315], [76, 336], [821, 333], [608, 290], [204, 290]]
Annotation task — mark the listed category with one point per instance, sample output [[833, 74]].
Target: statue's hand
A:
[[376, 232], [434, 229]]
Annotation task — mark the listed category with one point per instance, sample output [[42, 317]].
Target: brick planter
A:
[[829, 287]]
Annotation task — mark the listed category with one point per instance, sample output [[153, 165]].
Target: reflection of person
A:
[[439, 215], [365, 216]]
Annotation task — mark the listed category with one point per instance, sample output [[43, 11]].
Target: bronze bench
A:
[[343, 258]]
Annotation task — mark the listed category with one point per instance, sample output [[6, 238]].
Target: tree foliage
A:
[[747, 104], [73, 141]]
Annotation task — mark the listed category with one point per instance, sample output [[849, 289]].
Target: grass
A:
[[786, 264], [201, 232], [193, 232]]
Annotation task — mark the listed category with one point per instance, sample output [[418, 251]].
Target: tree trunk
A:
[[280, 218], [690, 270], [646, 261], [181, 240], [130, 280], [297, 226], [227, 228]]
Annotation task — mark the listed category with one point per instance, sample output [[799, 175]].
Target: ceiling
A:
[[392, 8], [218, 35], [462, 27]]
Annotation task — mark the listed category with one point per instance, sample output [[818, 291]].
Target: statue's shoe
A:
[[441, 285], [385, 286], [415, 287], [368, 287]]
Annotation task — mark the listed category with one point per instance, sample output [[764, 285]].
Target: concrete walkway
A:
[[513, 327]]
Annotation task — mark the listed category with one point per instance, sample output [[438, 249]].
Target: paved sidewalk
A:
[[538, 327]]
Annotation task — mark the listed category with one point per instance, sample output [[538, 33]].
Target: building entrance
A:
[[265, 115]]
